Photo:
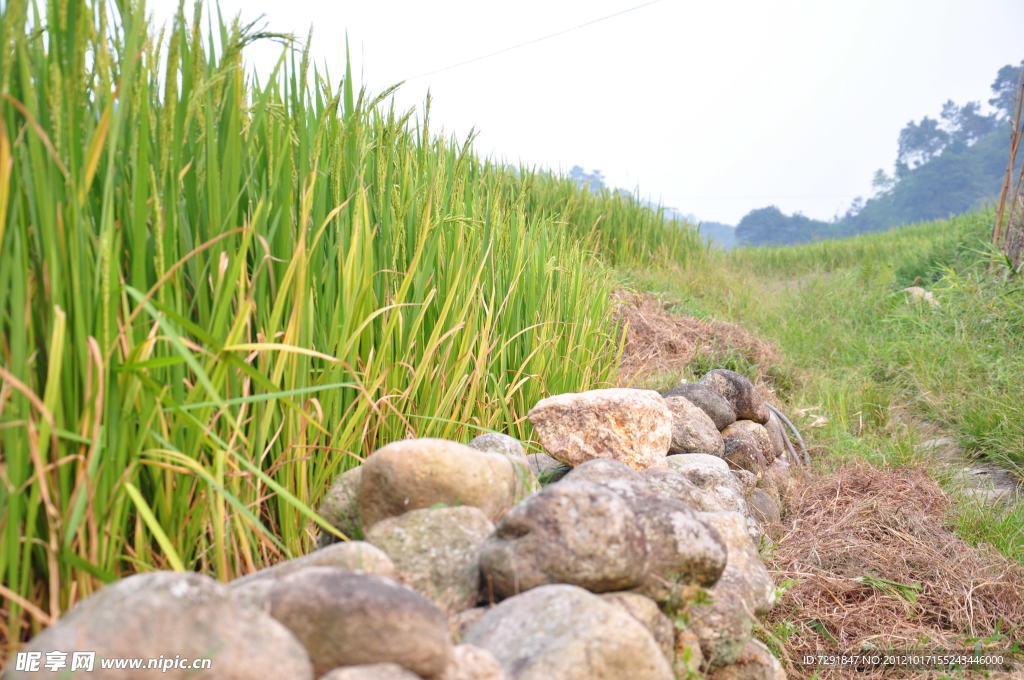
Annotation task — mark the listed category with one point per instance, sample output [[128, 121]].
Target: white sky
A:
[[714, 107]]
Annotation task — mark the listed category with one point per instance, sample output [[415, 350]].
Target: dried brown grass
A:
[[660, 342], [861, 522]]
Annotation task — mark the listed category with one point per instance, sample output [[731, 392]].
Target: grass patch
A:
[[856, 351]]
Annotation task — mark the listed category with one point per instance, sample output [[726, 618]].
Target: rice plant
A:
[[218, 291]]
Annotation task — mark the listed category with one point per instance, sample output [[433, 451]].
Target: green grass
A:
[[216, 293], [859, 353]]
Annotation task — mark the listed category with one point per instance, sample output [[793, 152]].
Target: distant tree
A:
[[921, 142], [1004, 89], [882, 182], [856, 205], [945, 166], [769, 226]]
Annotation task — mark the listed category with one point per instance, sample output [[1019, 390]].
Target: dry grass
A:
[[875, 566], [660, 342]]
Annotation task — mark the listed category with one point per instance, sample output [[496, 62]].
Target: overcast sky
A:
[[714, 108]]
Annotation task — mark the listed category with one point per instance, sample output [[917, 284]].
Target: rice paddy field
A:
[[217, 292]]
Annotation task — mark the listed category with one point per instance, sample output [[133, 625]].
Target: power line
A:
[[535, 40]]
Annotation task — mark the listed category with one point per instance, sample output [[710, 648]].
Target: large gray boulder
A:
[[344, 618], [693, 431], [436, 552], [708, 400], [633, 426], [172, 614], [421, 473], [564, 632], [682, 550], [574, 532], [744, 593], [739, 392], [340, 507]]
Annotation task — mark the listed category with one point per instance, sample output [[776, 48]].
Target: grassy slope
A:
[[859, 353]]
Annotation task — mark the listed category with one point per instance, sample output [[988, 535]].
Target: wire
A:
[[535, 40]]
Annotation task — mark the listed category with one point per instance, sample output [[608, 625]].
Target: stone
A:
[[675, 485], [340, 507], [778, 480], [708, 400], [693, 431], [421, 473], [496, 442], [634, 426], [682, 551], [777, 435], [764, 508], [686, 461], [436, 552], [602, 470], [172, 614], [755, 662], [564, 632], [373, 671], [460, 622], [739, 392], [646, 611], [744, 592], [720, 489], [575, 532], [344, 618], [748, 480], [473, 663], [353, 555], [741, 454], [755, 434]]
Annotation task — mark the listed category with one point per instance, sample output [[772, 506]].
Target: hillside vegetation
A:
[[944, 168], [217, 292]]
